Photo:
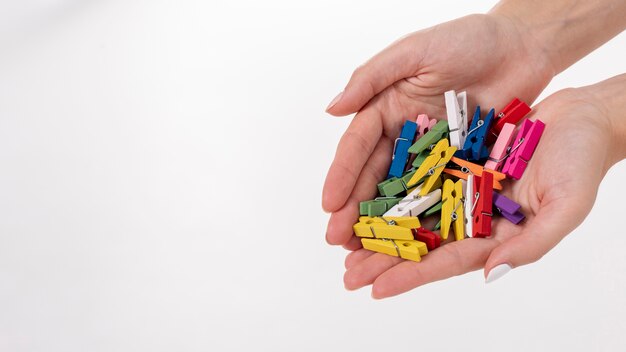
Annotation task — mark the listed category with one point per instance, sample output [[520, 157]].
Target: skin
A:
[[410, 76]]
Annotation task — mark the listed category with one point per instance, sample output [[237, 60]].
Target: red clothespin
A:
[[483, 212], [431, 239], [512, 113]]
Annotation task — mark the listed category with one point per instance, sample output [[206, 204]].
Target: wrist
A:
[[609, 97], [528, 40]]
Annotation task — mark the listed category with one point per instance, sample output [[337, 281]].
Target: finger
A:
[[355, 148], [356, 257], [551, 224], [399, 60], [446, 261], [353, 244], [339, 228], [365, 272]]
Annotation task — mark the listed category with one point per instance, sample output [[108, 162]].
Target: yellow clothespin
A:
[[411, 250], [433, 166], [392, 227], [452, 209]]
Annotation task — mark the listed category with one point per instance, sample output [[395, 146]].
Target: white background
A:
[[161, 165]]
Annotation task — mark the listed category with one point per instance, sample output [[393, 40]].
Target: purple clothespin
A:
[[508, 208]]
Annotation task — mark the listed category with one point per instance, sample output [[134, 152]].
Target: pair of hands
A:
[[491, 59]]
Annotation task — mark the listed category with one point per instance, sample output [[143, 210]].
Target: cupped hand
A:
[[556, 192], [488, 56]]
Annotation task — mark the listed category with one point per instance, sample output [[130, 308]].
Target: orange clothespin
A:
[[466, 167], [483, 210]]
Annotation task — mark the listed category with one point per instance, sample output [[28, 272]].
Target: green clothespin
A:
[[438, 226], [419, 159], [439, 131], [378, 206], [435, 208], [394, 186], [422, 146]]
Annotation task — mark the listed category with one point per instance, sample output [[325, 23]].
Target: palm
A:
[[478, 53], [554, 199]]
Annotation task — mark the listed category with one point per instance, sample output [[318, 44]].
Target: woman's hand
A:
[[556, 192], [489, 56]]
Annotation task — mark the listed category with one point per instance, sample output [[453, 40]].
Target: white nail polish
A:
[[497, 272]]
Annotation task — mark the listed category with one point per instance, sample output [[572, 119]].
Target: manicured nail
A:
[[497, 272], [332, 103]]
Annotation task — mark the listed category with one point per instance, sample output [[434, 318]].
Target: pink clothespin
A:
[[424, 124], [498, 153], [523, 148]]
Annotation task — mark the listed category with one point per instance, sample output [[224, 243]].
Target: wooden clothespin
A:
[[431, 239], [474, 147], [464, 168], [482, 211], [401, 149], [512, 113], [432, 167], [397, 228], [500, 149], [523, 148], [378, 206], [470, 202], [395, 186], [508, 208], [408, 249], [456, 109], [434, 209], [422, 144], [424, 124], [414, 204], [452, 209]]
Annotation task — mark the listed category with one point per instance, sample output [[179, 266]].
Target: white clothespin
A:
[[456, 109], [414, 204], [470, 197]]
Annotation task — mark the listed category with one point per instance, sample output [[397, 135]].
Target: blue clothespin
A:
[[401, 149], [474, 147]]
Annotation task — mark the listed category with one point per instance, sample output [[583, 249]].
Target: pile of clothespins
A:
[[451, 169]]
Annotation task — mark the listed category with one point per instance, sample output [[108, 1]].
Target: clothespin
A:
[[397, 228], [512, 113], [470, 201], [394, 186], [435, 208], [523, 148], [508, 208], [432, 167], [431, 239], [464, 168], [452, 210], [423, 143], [500, 149], [482, 211], [378, 206], [456, 109], [414, 204], [411, 249], [424, 124], [401, 149], [474, 147]]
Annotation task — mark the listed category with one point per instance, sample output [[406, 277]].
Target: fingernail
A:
[[497, 272], [332, 103]]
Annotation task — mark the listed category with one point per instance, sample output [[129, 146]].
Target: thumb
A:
[[552, 223], [399, 60]]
